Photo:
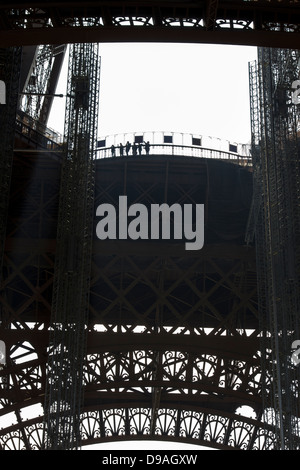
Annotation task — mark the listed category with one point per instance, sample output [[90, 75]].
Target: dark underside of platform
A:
[[132, 279]]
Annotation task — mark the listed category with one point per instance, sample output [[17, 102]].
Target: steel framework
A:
[[40, 83], [148, 341], [71, 282], [275, 148], [10, 60], [253, 22], [173, 339]]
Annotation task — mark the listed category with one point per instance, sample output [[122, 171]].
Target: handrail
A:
[[37, 133], [174, 150], [50, 140]]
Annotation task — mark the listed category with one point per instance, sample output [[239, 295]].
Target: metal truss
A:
[[40, 83], [113, 340], [172, 346], [274, 24], [275, 127], [136, 273], [10, 60], [73, 256], [148, 341], [201, 395]]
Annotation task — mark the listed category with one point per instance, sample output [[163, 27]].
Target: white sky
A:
[[190, 88]]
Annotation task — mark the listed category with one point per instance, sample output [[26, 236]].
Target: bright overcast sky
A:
[[189, 88]]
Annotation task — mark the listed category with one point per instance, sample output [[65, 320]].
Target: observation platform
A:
[[32, 136], [173, 144]]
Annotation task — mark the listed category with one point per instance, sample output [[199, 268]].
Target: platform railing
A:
[[36, 133], [173, 150]]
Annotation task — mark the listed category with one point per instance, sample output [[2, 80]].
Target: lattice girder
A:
[[203, 291], [253, 22], [199, 387], [275, 127]]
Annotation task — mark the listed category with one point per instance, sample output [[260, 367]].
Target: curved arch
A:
[[197, 427], [169, 390]]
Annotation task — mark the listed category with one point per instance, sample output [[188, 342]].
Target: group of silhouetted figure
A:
[[137, 148]]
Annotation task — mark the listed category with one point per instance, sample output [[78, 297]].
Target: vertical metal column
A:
[[73, 257], [10, 63], [277, 172]]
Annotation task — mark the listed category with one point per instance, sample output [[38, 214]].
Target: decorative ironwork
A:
[[270, 24], [185, 412]]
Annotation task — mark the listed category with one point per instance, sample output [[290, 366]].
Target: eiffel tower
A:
[[122, 339]]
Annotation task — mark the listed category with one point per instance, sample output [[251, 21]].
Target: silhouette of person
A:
[[147, 147], [134, 149], [140, 148], [113, 151], [128, 146], [121, 150]]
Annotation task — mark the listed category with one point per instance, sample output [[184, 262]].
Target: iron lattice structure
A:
[[256, 22], [38, 85], [71, 281], [10, 62], [165, 344], [173, 339], [275, 149]]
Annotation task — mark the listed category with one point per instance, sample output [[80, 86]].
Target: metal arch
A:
[[195, 426], [273, 24], [194, 388]]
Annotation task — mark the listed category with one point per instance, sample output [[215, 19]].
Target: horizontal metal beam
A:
[[237, 347], [108, 247], [256, 23], [132, 34]]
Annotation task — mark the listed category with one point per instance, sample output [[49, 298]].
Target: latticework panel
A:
[[241, 22], [71, 283], [205, 396], [173, 348], [10, 60], [275, 119]]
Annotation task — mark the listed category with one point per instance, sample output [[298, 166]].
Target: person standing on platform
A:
[[134, 149], [147, 147], [128, 146], [140, 148]]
